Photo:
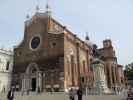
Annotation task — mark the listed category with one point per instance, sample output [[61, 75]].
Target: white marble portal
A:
[[32, 78]]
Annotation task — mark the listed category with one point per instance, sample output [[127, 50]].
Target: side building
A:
[[121, 76], [98, 74], [50, 57], [112, 69], [6, 64]]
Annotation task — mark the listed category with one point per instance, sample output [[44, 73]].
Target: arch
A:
[[30, 80], [32, 67]]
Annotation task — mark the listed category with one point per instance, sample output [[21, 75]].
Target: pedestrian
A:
[[51, 90], [130, 93], [38, 90], [22, 92], [71, 94], [10, 95], [28, 91], [79, 93]]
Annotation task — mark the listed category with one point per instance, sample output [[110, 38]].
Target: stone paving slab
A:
[[48, 96]]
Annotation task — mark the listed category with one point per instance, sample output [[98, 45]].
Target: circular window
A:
[[35, 42], [33, 71]]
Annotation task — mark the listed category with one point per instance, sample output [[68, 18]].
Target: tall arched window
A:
[[7, 65], [84, 66], [72, 69]]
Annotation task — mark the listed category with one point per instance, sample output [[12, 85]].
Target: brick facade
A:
[[50, 56]]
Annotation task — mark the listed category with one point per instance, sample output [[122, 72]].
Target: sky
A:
[[102, 19]]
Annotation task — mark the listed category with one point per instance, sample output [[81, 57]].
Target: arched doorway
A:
[[33, 84], [32, 78], [32, 71]]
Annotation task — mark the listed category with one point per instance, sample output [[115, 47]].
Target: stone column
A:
[[110, 75], [24, 83], [117, 80], [22, 76], [99, 73], [72, 69], [114, 76], [94, 75], [87, 67], [66, 72], [78, 63], [39, 80], [22, 88], [29, 82], [101, 76]]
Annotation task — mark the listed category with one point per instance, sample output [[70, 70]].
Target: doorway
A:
[[33, 83]]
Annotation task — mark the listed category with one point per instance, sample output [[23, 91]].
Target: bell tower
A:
[[107, 43]]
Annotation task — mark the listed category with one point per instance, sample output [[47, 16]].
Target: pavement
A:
[[59, 96]]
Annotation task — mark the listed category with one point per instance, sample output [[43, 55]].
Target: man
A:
[[38, 90], [79, 93], [71, 94], [10, 95]]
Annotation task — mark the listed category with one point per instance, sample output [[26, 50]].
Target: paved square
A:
[[60, 96]]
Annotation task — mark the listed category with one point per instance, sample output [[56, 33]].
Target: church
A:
[[50, 57]]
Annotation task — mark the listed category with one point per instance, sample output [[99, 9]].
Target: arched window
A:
[[84, 66], [7, 65]]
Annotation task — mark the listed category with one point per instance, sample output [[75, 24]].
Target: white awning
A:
[[48, 86], [56, 86]]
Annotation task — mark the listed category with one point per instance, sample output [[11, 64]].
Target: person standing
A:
[[79, 93], [38, 90], [71, 94], [10, 95], [4, 89]]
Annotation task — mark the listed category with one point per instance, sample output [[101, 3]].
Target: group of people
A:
[[130, 93], [72, 94]]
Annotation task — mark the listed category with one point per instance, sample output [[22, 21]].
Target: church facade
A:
[[50, 56]]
